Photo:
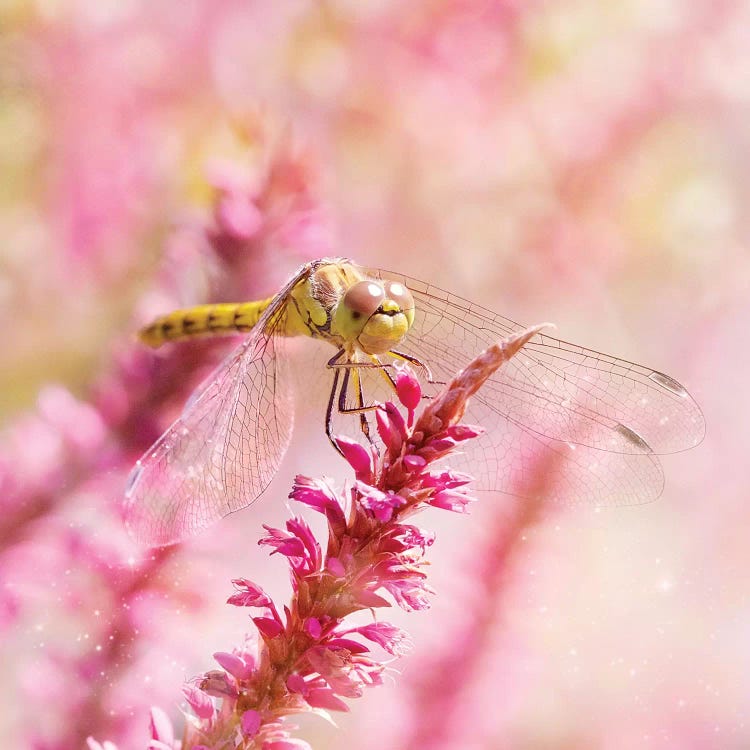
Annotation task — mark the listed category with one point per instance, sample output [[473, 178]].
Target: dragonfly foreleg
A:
[[333, 363], [427, 373], [329, 411], [360, 409]]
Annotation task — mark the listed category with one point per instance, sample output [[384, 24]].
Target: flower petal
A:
[[161, 726], [359, 458], [250, 723], [248, 594], [408, 389], [199, 701], [268, 627]]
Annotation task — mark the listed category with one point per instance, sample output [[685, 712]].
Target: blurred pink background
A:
[[581, 162]]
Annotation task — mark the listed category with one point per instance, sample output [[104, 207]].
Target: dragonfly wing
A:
[[510, 458], [553, 388], [221, 454]]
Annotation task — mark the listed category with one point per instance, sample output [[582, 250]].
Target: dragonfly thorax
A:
[[374, 316]]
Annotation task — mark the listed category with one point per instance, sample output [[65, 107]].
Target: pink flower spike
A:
[[198, 701], [250, 723], [408, 389], [161, 727], [306, 660], [248, 594], [358, 457]]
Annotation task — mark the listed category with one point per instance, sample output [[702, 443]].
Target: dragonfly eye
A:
[[363, 299], [400, 294]]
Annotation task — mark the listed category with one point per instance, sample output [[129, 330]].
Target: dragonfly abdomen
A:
[[204, 320]]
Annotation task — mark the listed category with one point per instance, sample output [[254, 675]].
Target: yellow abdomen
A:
[[204, 320]]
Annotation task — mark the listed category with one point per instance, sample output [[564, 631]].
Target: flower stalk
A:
[[307, 659]]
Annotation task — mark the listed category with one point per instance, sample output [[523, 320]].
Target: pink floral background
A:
[[581, 162]]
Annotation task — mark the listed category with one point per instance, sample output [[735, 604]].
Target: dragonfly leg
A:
[[360, 409], [329, 411], [334, 360], [363, 421], [417, 363], [343, 408], [374, 363], [333, 363]]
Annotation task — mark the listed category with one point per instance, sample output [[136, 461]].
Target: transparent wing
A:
[[603, 416], [508, 455], [222, 453]]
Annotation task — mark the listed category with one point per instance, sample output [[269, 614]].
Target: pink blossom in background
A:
[[577, 161], [83, 451]]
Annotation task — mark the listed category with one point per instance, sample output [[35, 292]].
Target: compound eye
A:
[[364, 298], [400, 294]]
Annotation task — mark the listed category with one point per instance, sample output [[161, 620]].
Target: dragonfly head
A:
[[375, 314]]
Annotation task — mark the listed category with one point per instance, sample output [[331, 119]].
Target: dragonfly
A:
[[599, 422]]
